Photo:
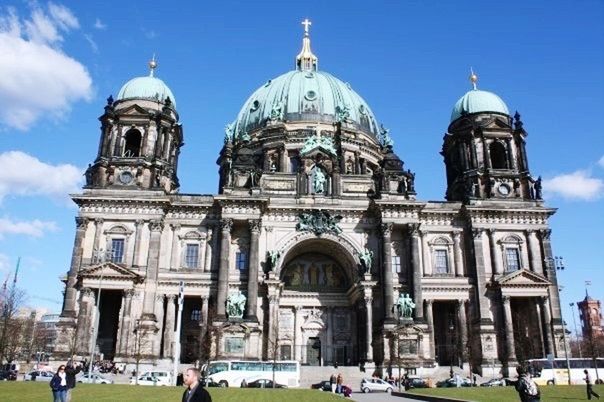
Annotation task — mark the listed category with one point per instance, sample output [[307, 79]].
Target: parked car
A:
[[38, 375], [416, 382], [323, 386], [160, 378], [92, 379], [494, 382], [452, 383], [510, 382], [264, 383], [375, 384]]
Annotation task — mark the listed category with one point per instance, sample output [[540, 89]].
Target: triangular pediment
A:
[[110, 270], [134, 110], [496, 123], [523, 277], [311, 153]]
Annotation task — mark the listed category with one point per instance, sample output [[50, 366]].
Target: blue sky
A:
[[410, 60]]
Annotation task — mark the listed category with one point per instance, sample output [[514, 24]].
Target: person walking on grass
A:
[[526, 387], [58, 384], [590, 390], [194, 392], [71, 370]]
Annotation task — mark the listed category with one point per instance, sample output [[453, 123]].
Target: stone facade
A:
[[299, 203]]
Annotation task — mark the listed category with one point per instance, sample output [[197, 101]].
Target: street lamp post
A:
[[572, 310], [558, 264], [99, 256]]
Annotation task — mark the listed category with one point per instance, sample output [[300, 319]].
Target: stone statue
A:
[[366, 257], [342, 113], [273, 257], [236, 305], [244, 136], [319, 222], [277, 111], [405, 306], [538, 189], [384, 137], [319, 180], [229, 132]]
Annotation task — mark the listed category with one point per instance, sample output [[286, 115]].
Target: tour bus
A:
[[230, 373], [550, 372]]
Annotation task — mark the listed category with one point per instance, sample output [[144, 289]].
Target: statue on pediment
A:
[[236, 305]]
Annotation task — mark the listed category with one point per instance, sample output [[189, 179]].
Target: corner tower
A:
[[484, 151], [140, 138]]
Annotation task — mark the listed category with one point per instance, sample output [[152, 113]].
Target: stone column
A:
[[124, 332], [159, 313], [169, 328], [69, 304], [547, 325], [534, 252], [387, 271], [84, 319], [252, 277], [202, 252], [509, 330], [541, 326], [175, 260], [297, 334], [369, 328], [430, 321], [427, 270], [417, 270], [207, 266], [463, 327], [156, 227], [483, 310], [283, 160], [329, 356], [223, 273], [457, 255], [138, 236], [495, 261], [550, 273], [98, 227], [273, 325]]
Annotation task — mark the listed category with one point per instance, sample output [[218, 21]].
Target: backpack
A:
[[530, 387]]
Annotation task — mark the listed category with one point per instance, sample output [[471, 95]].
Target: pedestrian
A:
[[70, 374], [527, 388], [58, 384], [339, 382], [332, 383], [590, 390], [194, 392]]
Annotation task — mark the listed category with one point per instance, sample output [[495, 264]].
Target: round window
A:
[[255, 105], [504, 190], [310, 95], [362, 109]]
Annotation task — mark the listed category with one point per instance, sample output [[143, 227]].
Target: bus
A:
[[230, 373], [551, 372]]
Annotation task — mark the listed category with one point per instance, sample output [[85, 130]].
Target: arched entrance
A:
[[320, 305]]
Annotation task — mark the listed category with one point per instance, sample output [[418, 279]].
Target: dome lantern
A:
[[306, 60]]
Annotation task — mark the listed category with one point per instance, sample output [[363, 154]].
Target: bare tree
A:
[[12, 300], [143, 341]]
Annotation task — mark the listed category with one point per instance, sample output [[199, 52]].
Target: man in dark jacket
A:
[[194, 392], [70, 375]]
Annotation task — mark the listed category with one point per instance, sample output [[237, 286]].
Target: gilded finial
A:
[[473, 78], [306, 60], [152, 66]]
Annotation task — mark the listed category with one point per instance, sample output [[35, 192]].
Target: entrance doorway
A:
[[108, 320], [313, 351]]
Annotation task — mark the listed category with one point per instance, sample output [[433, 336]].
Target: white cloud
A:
[[38, 78], [578, 185], [23, 175], [601, 162], [98, 24], [93, 45], [35, 228]]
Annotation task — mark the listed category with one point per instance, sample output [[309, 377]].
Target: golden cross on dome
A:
[[306, 24]]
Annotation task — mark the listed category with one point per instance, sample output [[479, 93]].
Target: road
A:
[[378, 397]]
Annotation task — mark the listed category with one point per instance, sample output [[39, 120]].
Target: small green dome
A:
[[305, 95], [149, 87], [477, 101]]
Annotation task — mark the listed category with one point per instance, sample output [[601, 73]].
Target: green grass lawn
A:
[[40, 392], [562, 393]]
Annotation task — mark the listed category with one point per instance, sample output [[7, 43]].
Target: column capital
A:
[[506, 299], [128, 293], [171, 298], [159, 297], [491, 232], [413, 229], [255, 225], [273, 299], [530, 232], [457, 235], [429, 302], [477, 233], [175, 226], [138, 223], [368, 301], [205, 298], [544, 299], [226, 224], [386, 229], [87, 292], [81, 223], [545, 233], [156, 225], [99, 221]]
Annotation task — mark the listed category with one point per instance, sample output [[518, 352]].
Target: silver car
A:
[[93, 379], [375, 384], [39, 375]]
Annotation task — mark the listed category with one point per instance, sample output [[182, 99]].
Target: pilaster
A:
[[223, 273]]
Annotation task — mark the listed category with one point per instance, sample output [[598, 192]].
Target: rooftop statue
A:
[[342, 113], [236, 305], [277, 111], [229, 132], [317, 141], [273, 258], [384, 137]]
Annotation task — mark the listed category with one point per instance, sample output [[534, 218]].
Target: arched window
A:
[[498, 156], [133, 143]]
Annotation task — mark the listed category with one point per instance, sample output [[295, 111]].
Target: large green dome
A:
[[149, 88], [477, 101], [312, 96]]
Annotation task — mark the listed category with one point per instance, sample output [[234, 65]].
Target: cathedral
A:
[[315, 247]]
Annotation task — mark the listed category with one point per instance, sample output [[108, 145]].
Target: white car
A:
[[40, 375], [375, 384], [149, 380], [93, 379]]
